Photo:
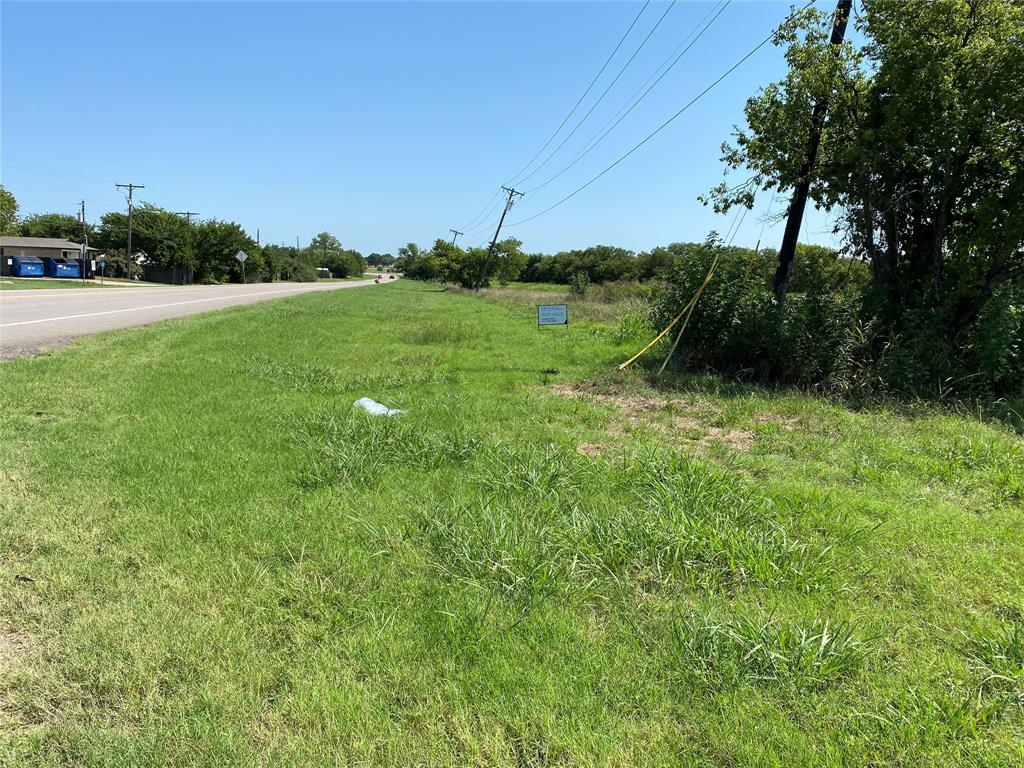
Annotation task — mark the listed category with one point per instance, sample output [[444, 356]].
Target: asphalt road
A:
[[33, 320]]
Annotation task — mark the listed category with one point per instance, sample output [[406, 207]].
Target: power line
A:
[[601, 97], [581, 98], [613, 123], [55, 174], [484, 227], [492, 203], [659, 129], [485, 211]]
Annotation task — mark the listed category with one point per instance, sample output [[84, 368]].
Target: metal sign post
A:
[[242, 256]]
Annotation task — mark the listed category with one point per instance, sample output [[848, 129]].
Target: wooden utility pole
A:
[[128, 257], [187, 214], [455, 235], [85, 242], [512, 195], [799, 200]]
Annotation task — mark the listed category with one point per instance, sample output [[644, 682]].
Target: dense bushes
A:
[[738, 328], [448, 263], [828, 335], [600, 263]]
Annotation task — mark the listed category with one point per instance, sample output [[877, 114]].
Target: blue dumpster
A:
[[26, 266], [61, 267]]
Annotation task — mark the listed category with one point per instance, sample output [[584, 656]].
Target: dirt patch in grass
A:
[[787, 423], [684, 419]]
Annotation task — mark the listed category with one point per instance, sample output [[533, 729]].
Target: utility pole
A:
[[174, 269], [131, 188], [512, 195], [799, 201], [455, 235], [85, 242]]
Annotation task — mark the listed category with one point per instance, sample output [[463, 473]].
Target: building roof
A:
[[9, 241]]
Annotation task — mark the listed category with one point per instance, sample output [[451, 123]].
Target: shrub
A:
[[814, 339], [579, 283]]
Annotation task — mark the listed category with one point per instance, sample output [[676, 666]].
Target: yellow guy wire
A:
[[687, 309]]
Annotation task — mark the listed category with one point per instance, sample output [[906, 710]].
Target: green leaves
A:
[[921, 152]]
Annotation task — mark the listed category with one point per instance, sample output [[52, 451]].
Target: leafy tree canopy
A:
[[8, 213], [922, 152], [61, 225]]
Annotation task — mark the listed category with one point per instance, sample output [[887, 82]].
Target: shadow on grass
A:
[[1008, 414]]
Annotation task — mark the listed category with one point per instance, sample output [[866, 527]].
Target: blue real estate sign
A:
[[552, 314]]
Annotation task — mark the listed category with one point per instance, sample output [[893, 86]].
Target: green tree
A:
[[8, 213], [508, 261], [447, 262], [59, 225], [216, 243], [324, 243], [922, 154], [165, 238]]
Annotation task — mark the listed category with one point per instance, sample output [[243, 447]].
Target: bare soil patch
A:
[[684, 419]]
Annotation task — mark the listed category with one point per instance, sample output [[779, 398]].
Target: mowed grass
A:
[[540, 563], [30, 283]]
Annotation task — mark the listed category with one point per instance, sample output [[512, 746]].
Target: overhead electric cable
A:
[[601, 97], [490, 204], [581, 98], [657, 130], [484, 211], [649, 86]]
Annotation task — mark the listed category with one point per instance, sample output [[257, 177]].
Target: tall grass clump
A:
[[599, 526], [1000, 650], [503, 546], [355, 448], [689, 522], [308, 377], [813, 654]]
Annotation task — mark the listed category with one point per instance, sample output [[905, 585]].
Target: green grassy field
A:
[[28, 283], [540, 563]]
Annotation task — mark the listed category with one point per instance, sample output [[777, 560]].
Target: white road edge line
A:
[[156, 306]]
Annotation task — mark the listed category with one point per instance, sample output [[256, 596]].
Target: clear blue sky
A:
[[379, 122]]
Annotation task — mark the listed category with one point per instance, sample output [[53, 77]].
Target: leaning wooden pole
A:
[[799, 200]]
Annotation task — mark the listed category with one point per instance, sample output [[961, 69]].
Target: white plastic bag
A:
[[374, 408]]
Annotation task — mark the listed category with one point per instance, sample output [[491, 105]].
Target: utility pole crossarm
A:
[[455, 235]]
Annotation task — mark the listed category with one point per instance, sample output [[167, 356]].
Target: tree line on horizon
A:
[[449, 264], [206, 246]]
